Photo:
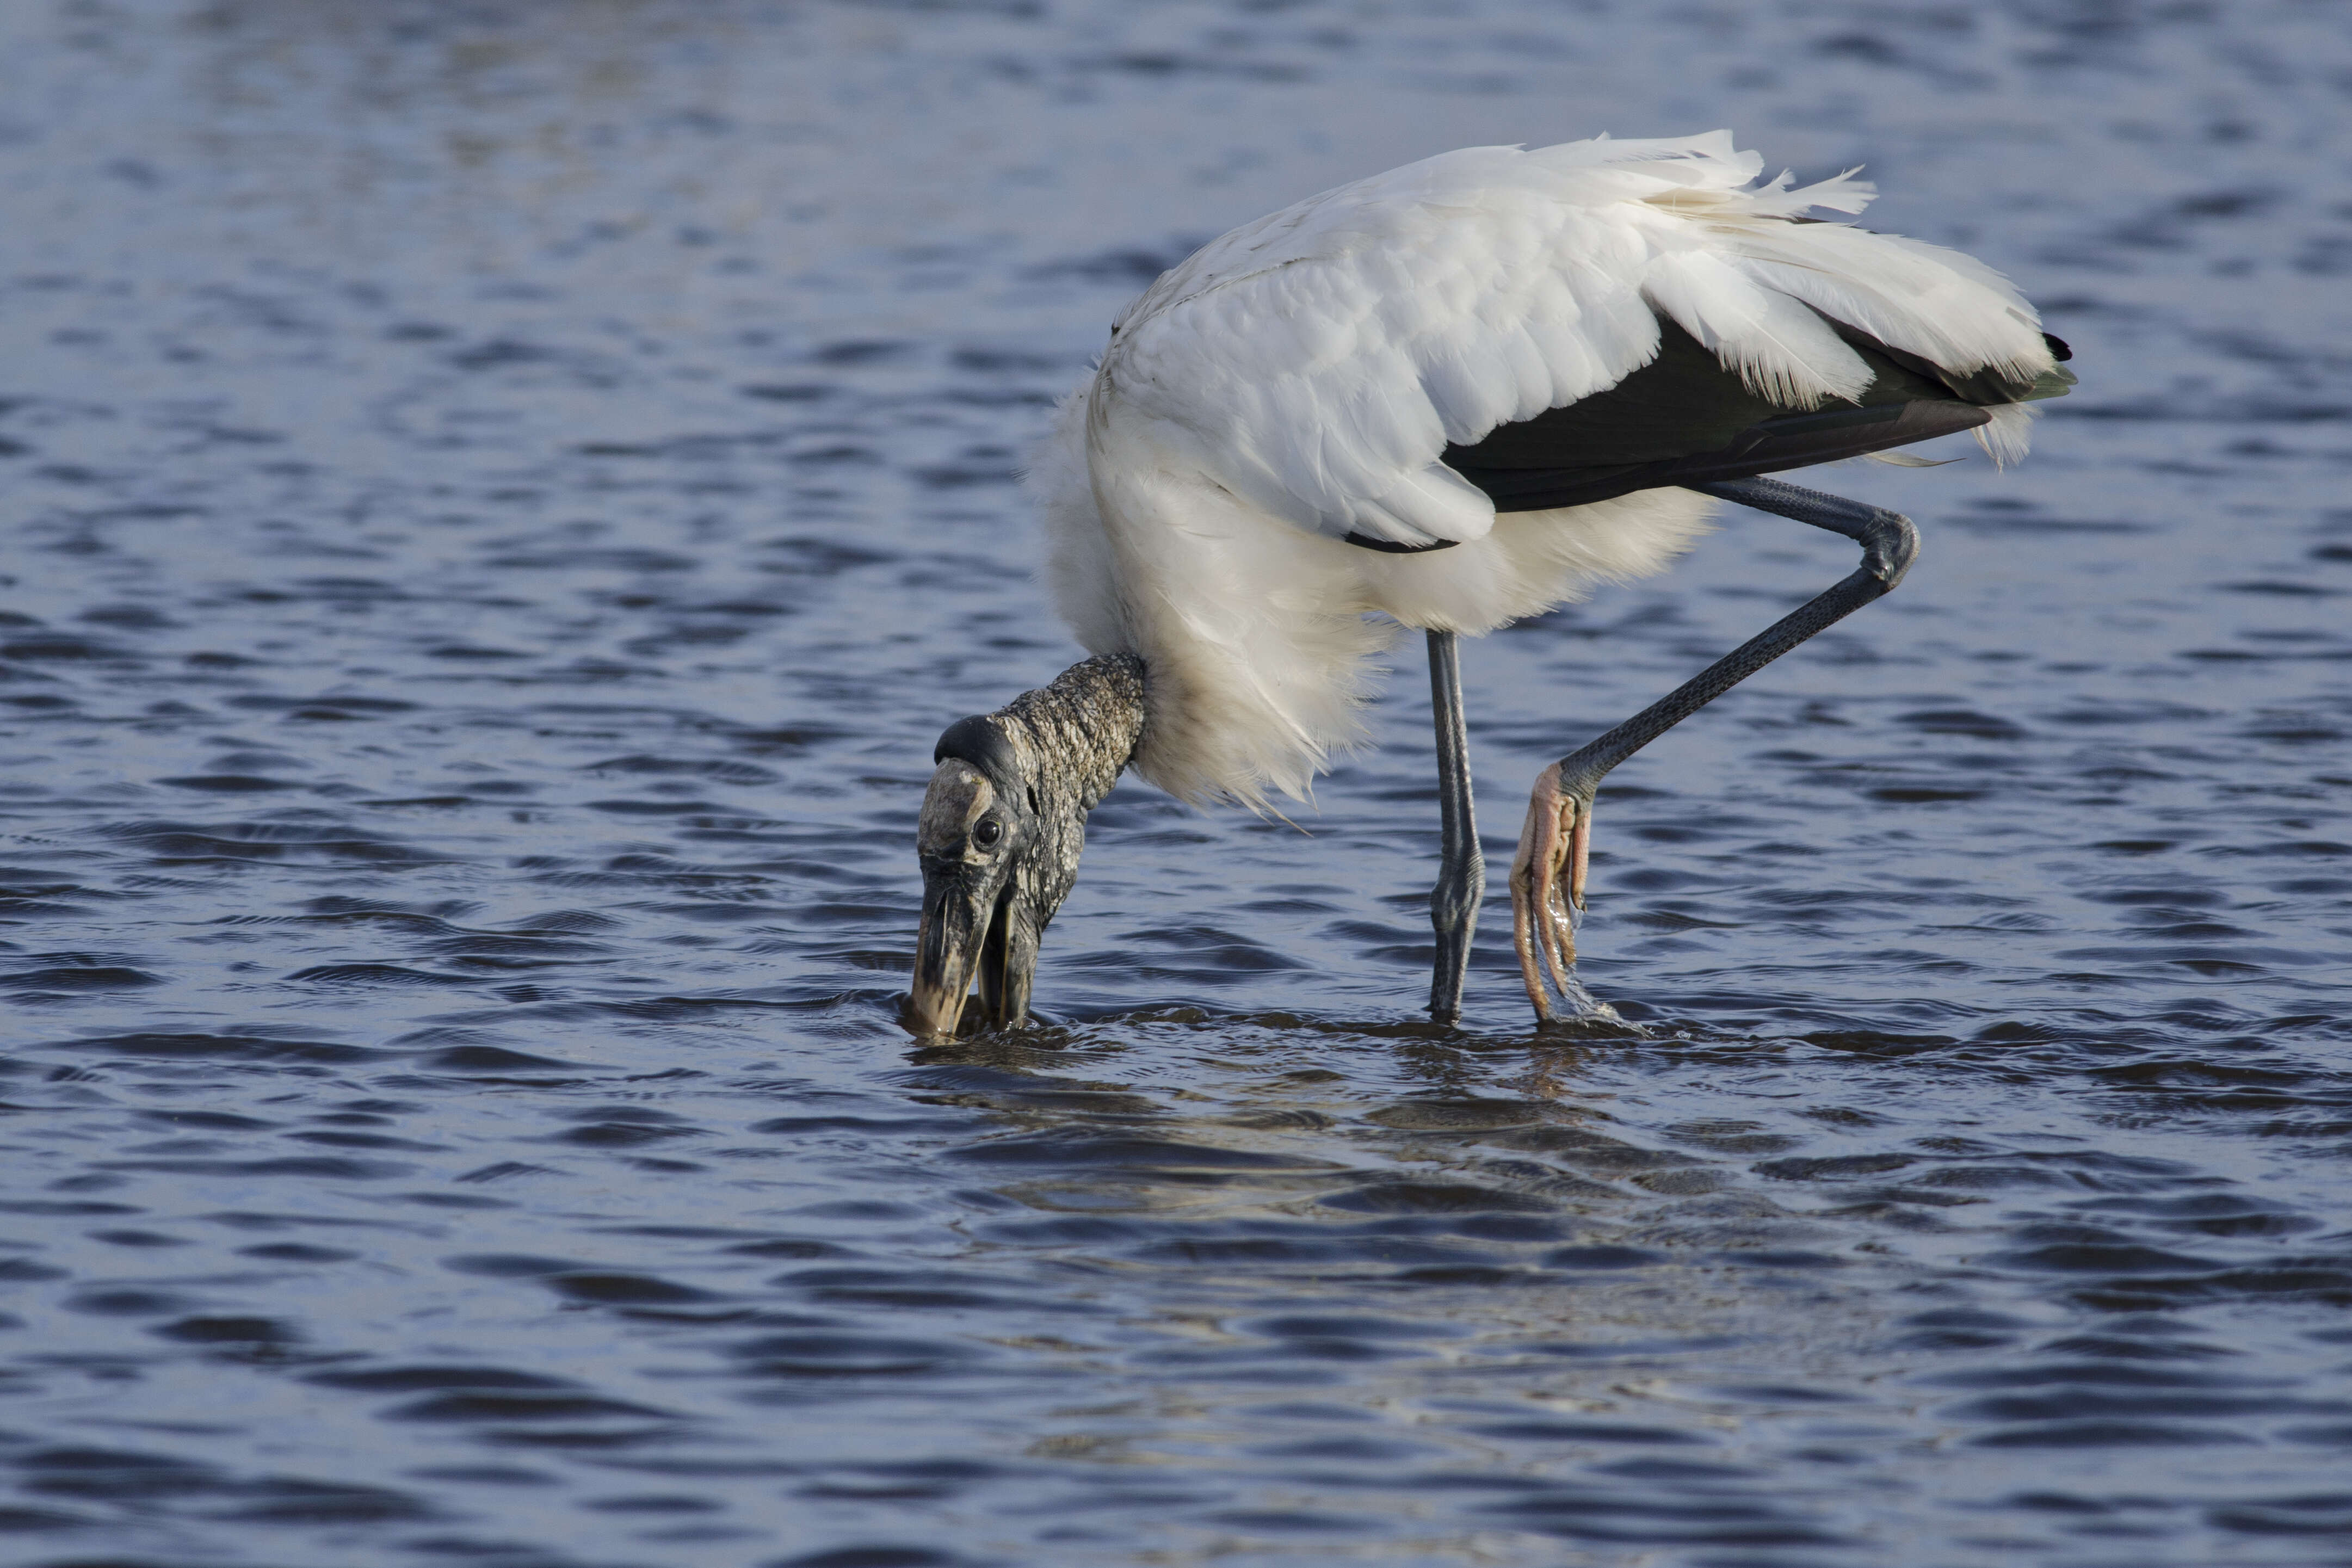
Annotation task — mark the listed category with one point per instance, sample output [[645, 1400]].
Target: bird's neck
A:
[[1084, 728]]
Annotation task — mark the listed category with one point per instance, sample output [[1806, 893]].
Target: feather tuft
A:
[[2009, 435]]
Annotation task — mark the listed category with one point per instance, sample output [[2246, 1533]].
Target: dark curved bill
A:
[[947, 953]]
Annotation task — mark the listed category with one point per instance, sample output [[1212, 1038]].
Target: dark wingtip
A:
[[2058, 349]]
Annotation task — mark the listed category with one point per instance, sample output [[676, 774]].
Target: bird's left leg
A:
[[1554, 844], [1462, 874]]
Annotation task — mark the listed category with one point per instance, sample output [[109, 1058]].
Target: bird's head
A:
[[1002, 826], [998, 844]]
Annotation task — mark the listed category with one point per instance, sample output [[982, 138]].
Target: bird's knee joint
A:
[[1890, 544], [1450, 907]]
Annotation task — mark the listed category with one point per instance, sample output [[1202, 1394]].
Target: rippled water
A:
[[501, 497]]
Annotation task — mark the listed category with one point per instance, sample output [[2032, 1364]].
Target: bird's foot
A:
[[1557, 839]]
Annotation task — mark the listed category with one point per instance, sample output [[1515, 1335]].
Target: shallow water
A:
[[501, 498]]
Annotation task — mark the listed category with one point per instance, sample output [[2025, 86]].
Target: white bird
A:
[[1446, 397]]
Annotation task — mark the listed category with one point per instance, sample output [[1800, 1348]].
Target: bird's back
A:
[[1395, 362]]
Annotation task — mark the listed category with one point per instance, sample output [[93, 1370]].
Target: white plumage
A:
[[1298, 380]]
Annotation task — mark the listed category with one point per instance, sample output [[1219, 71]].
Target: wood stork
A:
[[1446, 397]]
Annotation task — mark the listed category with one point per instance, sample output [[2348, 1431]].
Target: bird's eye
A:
[[989, 831]]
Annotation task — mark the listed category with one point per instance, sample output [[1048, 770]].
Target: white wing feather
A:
[[1320, 358]]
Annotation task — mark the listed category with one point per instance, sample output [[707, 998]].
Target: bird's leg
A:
[[1462, 875], [1557, 837], [1559, 808]]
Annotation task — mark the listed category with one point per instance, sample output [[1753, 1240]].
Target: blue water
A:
[[500, 498]]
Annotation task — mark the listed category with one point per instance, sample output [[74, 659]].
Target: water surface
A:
[[501, 498]]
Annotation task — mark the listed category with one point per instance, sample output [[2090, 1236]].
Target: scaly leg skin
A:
[[1453, 902], [1557, 839]]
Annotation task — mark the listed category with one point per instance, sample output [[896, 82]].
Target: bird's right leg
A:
[[1547, 873], [1461, 872]]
